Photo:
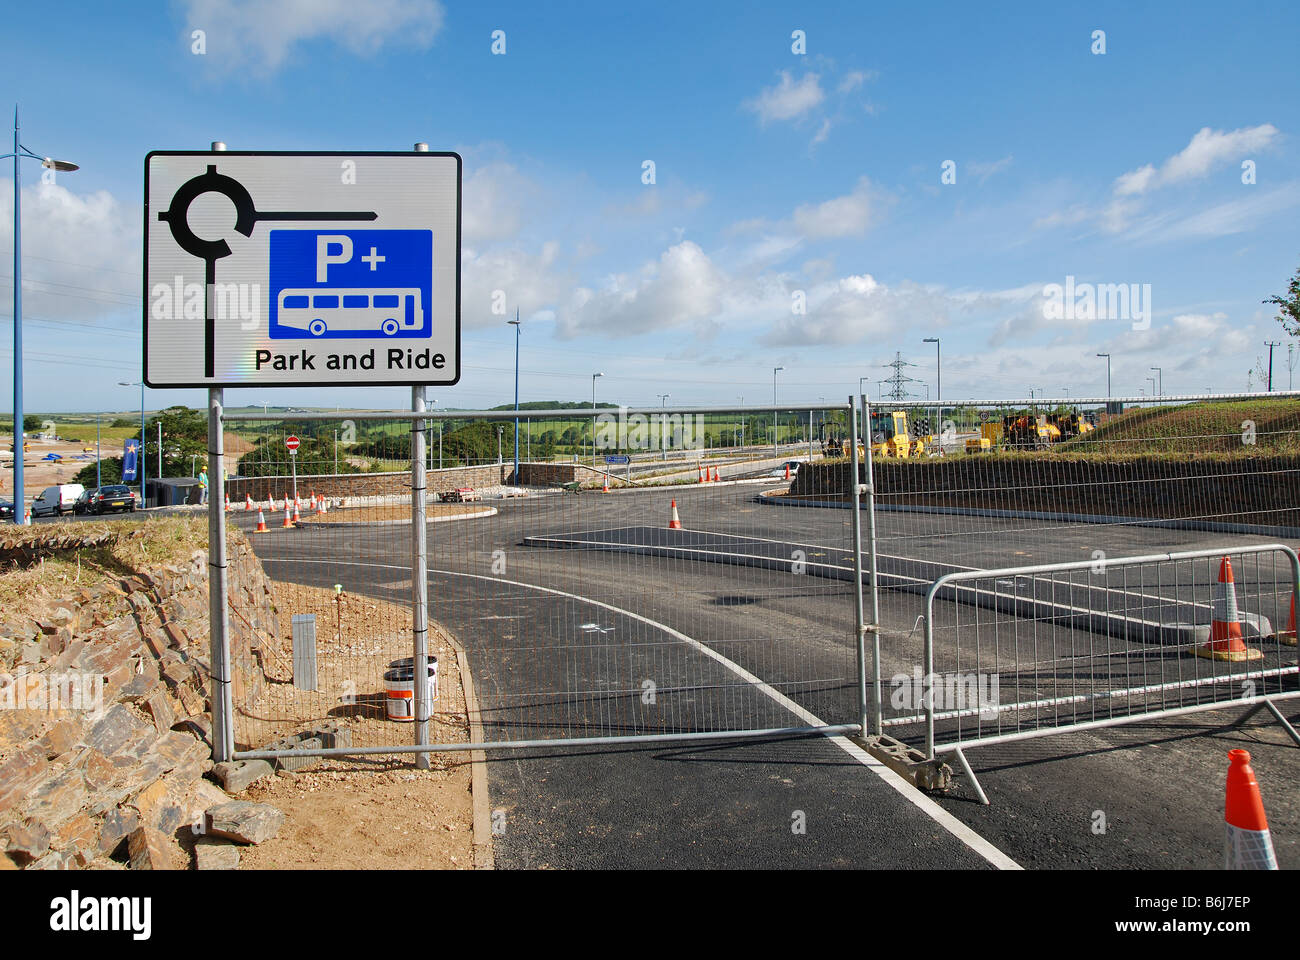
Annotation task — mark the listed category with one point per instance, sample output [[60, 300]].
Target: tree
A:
[[1289, 307], [184, 441]]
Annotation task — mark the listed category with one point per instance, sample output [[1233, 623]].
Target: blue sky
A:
[[780, 178]]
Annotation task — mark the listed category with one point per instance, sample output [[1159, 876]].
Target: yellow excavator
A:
[[889, 439]]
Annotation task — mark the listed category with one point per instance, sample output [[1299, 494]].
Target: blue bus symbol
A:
[[354, 284]]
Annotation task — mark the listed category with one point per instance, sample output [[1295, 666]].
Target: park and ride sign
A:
[[301, 269]]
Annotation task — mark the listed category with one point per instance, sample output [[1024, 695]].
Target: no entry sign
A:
[[292, 444], [301, 269]]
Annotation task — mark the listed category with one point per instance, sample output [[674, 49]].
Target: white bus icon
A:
[[334, 310]]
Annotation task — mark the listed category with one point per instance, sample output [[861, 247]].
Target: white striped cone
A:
[[1226, 639], [261, 522], [1247, 843], [675, 522], [248, 502]]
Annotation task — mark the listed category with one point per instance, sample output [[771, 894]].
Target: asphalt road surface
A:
[[566, 642]]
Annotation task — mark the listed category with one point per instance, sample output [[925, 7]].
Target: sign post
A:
[[292, 444], [340, 269]]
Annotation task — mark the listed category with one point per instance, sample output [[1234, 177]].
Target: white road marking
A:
[[942, 817]]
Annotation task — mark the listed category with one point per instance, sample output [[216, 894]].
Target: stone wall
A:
[[127, 743], [1254, 490], [365, 484]]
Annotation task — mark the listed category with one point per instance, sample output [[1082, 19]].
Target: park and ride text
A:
[[396, 358]]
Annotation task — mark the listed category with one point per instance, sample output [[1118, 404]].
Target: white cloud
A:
[[788, 99], [683, 286], [81, 253], [858, 309], [261, 34], [531, 281], [849, 215], [1206, 150], [981, 171], [853, 80], [492, 202]]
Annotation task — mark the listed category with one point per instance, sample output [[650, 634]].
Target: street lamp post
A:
[[1152, 381], [1107, 356], [516, 325], [775, 447], [1160, 381], [938, 390], [594, 377], [21, 153], [742, 424]]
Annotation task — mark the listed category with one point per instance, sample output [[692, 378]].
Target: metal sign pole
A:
[[223, 734], [859, 619], [419, 579], [874, 627], [293, 463]]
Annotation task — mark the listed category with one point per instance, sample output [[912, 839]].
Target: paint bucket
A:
[[399, 686]]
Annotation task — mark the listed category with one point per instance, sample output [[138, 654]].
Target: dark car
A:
[[107, 499], [6, 510]]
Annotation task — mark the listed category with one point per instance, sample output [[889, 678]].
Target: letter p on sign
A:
[[323, 256]]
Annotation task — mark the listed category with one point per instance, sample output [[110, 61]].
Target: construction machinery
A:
[[889, 439], [1070, 425], [1028, 432], [889, 436], [988, 440]]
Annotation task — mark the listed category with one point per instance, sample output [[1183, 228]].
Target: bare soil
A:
[[376, 811]]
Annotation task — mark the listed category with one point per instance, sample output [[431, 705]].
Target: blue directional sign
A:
[[619, 458], [353, 284]]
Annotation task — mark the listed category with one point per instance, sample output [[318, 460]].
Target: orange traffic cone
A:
[[1288, 635], [1226, 641], [227, 503], [699, 474], [296, 518], [605, 488], [261, 522], [248, 501], [1247, 844], [324, 505], [715, 475], [787, 471], [676, 522], [287, 521]]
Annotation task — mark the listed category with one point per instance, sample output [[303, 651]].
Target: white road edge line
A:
[[938, 814]]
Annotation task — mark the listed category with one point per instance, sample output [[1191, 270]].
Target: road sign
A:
[[620, 458], [292, 444], [332, 269]]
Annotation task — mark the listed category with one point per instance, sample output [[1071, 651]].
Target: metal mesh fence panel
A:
[[1054, 481], [611, 591], [1014, 653]]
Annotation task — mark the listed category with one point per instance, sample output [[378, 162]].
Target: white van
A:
[[56, 501]]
